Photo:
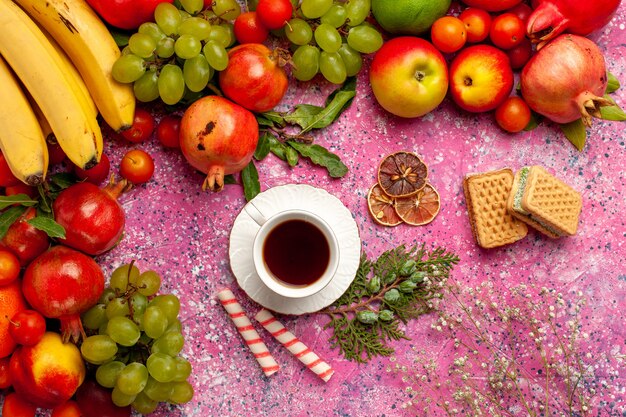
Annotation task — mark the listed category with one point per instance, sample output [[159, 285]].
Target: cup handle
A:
[[255, 214]]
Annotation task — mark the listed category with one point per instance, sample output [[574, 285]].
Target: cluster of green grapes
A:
[[135, 339], [329, 37], [180, 51]]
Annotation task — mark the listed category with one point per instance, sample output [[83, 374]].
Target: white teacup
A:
[[304, 272]]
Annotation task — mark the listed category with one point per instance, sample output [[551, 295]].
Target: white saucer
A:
[[288, 197]]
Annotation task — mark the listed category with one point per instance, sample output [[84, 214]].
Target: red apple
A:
[[481, 78], [409, 76]]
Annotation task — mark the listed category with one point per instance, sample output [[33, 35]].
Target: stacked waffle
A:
[[501, 205]]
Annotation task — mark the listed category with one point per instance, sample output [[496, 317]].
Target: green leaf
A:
[[62, 180], [292, 156], [270, 118], [613, 112], [250, 180], [277, 147], [48, 225], [8, 217], [121, 38], [21, 199], [310, 117], [230, 179], [575, 132], [613, 83], [262, 147], [532, 123], [321, 156]]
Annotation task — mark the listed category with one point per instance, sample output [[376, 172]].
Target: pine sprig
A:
[[385, 294]]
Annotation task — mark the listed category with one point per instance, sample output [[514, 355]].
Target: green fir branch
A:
[[384, 295]]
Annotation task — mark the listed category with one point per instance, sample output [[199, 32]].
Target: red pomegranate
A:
[[218, 137]]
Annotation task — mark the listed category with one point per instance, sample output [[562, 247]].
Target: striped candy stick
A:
[[247, 331], [294, 345]]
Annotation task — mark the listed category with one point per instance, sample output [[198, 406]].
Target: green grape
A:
[[126, 50], [216, 55], [357, 11], [168, 18], [98, 349], [147, 283], [132, 379], [138, 304], [151, 29], [306, 61], [154, 322], [192, 6], [197, 73], [103, 328], [298, 31], [141, 45], [183, 15], [121, 276], [170, 343], [312, 9], [196, 27], [117, 307], [94, 317], [186, 46], [165, 47], [171, 83], [145, 88], [169, 303], [327, 38], [352, 60], [161, 367], [128, 68], [183, 369], [335, 16], [230, 29], [332, 67], [220, 35], [106, 374], [158, 391], [182, 392], [365, 39], [175, 327], [144, 404], [123, 331], [226, 9], [119, 398], [107, 295]]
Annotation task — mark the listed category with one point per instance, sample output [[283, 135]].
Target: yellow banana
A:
[[72, 73], [92, 49], [21, 139], [37, 64]]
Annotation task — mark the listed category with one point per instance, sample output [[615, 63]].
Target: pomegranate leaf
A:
[[48, 225], [21, 199], [230, 179], [613, 83], [321, 156], [262, 147], [575, 132], [270, 119], [250, 180], [613, 112], [8, 217], [309, 117], [292, 156]]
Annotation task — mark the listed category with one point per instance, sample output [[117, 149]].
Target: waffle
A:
[[486, 196], [544, 202]]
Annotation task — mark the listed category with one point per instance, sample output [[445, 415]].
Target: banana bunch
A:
[[55, 71]]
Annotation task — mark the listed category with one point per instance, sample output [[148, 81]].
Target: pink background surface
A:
[[182, 232]]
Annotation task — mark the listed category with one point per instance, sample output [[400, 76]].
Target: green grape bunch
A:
[[135, 339], [178, 54], [330, 37]]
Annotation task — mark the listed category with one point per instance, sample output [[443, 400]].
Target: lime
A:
[[408, 17]]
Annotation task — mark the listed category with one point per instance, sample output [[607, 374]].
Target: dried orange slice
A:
[[381, 207], [402, 174], [420, 208]]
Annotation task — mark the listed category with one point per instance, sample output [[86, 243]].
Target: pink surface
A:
[[182, 232]]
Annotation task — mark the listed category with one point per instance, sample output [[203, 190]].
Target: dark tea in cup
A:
[[296, 252]]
